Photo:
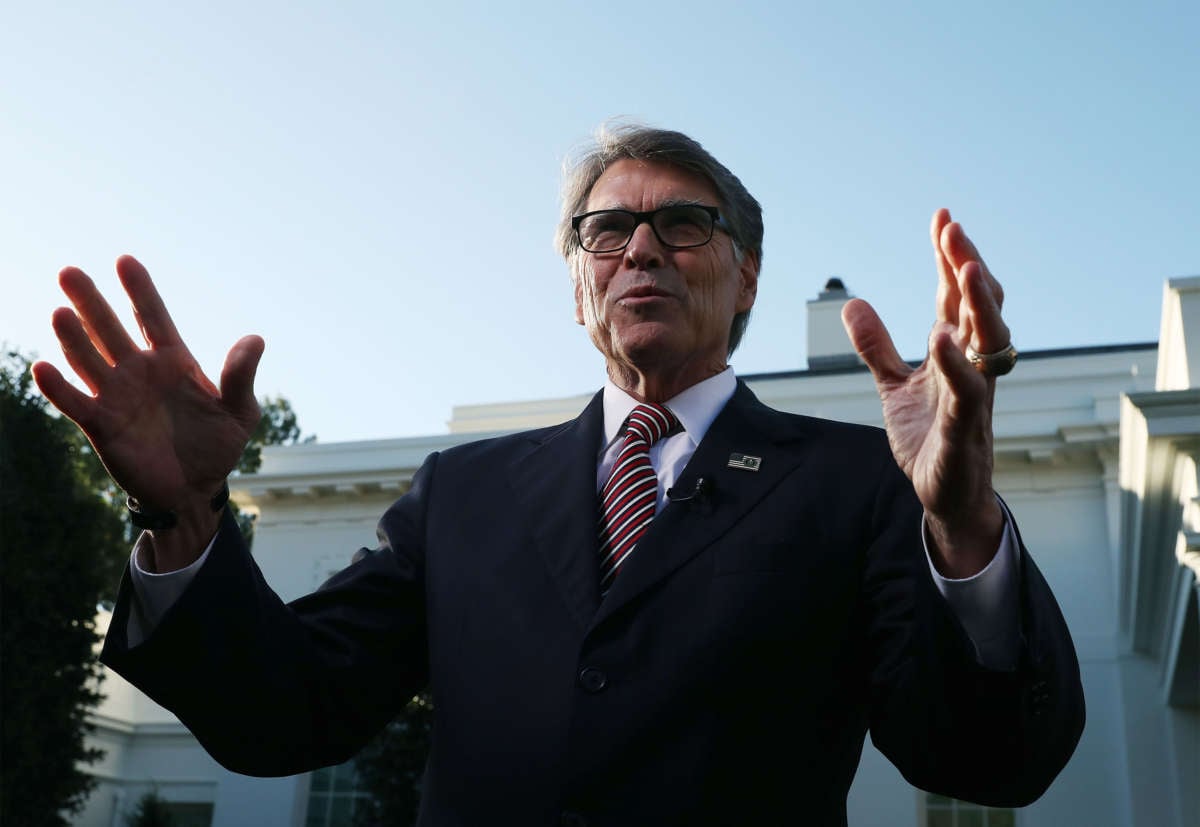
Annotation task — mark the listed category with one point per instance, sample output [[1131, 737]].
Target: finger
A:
[[966, 323], [988, 332], [79, 348], [958, 249], [74, 403], [148, 307], [237, 377], [873, 342], [968, 387], [102, 325], [948, 295]]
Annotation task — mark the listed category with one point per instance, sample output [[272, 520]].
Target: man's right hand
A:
[[166, 434]]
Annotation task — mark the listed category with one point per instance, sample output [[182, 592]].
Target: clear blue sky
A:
[[373, 187]]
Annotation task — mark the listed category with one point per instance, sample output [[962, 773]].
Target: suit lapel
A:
[[682, 530], [555, 486]]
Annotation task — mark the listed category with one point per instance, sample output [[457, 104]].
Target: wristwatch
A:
[[151, 520]]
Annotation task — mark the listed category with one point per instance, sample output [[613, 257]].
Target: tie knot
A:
[[650, 422]]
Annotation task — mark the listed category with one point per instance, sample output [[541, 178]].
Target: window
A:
[[189, 814], [333, 794], [940, 811]]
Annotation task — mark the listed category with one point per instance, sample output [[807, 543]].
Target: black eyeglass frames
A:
[[678, 226]]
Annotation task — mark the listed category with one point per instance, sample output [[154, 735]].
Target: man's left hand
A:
[[939, 416]]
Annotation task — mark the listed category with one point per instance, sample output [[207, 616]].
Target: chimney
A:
[[829, 347]]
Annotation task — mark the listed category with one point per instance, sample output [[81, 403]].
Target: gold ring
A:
[[993, 364]]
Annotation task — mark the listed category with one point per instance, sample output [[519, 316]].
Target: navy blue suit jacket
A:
[[728, 677]]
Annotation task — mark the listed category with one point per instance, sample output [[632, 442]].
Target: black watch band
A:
[[151, 520]]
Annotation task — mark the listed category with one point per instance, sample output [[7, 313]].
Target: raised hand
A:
[[165, 432], [939, 416]]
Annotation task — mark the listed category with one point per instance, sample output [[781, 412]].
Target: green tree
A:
[[64, 542], [59, 540], [278, 426], [151, 811], [391, 767]]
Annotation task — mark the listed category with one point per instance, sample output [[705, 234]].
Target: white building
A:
[[1096, 452]]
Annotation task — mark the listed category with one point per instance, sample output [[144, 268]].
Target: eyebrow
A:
[[670, 202]]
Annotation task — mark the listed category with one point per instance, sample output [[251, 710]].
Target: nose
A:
[[644, 250]]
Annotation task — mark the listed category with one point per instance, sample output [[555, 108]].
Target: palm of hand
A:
[[940, 439], [161, 427], [164, 431]]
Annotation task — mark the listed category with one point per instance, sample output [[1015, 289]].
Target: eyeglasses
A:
[[678, 226]]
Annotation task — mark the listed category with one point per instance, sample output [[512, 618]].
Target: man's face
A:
[[653, 308]]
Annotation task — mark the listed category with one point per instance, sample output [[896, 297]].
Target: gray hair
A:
[[741, 212]]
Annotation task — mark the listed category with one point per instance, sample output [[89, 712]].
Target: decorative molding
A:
[[1061, 411], [1159, 566], [1158, 431], [120, 726], [1179, 337], [206, 784], [259, 492]]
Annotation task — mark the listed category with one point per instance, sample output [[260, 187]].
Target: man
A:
[[720, 663]]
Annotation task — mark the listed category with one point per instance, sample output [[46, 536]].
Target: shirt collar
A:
[[695, 408]]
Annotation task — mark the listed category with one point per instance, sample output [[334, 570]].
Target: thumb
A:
[[237, 377], [873, 342]]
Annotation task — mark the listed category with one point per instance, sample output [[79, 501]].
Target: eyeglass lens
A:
[[683, 225]]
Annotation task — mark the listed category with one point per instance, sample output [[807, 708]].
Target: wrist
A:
[[178, 536], [153, 519], [964, 546]]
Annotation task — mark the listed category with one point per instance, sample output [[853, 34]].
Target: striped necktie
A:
[[628, 499]]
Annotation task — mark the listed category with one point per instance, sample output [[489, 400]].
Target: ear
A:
[[747, 281], [578, 282]]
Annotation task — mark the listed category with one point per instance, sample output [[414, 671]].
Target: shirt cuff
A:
[[153, 593], [987, 603]]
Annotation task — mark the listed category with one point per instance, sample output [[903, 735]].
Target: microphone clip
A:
[[699, 495]]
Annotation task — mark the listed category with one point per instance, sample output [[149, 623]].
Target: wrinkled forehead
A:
[[648, 185]]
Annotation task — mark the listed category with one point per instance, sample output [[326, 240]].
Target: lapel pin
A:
[[744, 462]]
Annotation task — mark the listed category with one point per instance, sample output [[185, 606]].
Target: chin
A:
[[643, 335]]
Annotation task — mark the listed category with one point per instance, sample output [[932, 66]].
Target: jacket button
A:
[[570, 819], [592, 679]]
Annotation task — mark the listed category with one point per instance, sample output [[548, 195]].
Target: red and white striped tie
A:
[[628, 499]]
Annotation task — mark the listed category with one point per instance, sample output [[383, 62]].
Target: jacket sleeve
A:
[[949, 724], [270, 688]]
